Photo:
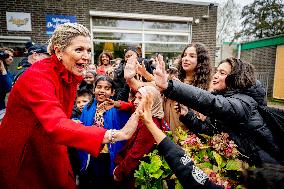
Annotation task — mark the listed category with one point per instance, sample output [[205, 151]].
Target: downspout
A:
[[239, 50]]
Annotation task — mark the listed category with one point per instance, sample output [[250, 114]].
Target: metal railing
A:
[[263, 78]]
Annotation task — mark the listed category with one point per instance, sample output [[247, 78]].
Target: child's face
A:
[[89, 78], [81, 101], [103, 91]]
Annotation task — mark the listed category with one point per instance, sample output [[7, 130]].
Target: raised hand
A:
[[141, 69], [145, 112], [3, 71], [130, 67], [160, 74]]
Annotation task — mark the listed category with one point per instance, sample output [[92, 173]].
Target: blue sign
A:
[[52, 21]]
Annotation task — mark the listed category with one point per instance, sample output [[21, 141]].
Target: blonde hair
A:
[[7, 49], [64, 34]]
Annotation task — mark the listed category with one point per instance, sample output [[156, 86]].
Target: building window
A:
[[115, 34]]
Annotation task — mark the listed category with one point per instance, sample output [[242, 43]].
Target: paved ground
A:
[[276, 105]]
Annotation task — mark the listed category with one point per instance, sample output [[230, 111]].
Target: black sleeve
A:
[[196, 125], [220, 107], [187, 173]]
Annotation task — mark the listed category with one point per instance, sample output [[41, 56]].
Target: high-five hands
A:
[[160, 74], [146, 105], [141, 69], [130, 67]]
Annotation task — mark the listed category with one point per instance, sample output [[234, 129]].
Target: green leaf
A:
[[201, 154], [155, 164], [239, 187], [178, 185], [234, 165], [157, 174], [218, 158], [205, 165], [223, 164], [215, 168]]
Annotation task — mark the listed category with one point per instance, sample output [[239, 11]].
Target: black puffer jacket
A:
[[235, 113]]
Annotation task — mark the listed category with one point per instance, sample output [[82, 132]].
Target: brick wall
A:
[[204, 32], [263, 60]]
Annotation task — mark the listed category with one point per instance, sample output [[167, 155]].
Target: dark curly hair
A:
[[106, 53], [203, 69], [242, 75]]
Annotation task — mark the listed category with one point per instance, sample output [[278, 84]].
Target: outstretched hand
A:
[[181, 109], [130, 67], [160, 74], [141, 69], [146, 106]]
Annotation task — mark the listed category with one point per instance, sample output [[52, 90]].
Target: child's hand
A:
[[106, 105]]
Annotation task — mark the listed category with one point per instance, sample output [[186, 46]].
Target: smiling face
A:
[[76, 56], [218, 82], [103, 90], [189, 59], [105, 60]]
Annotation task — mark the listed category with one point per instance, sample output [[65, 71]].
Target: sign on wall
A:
[[18, 21], [54, 20]]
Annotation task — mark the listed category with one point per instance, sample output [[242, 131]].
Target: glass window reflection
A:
[[118, 23], [118, 36], [166, 38], [165, 25]]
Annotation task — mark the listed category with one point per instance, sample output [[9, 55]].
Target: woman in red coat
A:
[[36, 130]]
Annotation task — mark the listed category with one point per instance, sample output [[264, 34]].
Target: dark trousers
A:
[[97, 174]]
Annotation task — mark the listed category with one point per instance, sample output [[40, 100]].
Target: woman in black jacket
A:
[[187, 173], [267, 177], [232, 108]]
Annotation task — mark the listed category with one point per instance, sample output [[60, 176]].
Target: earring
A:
[[59, 58]]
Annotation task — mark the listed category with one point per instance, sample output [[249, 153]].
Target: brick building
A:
[[157, 25], [267, 56]]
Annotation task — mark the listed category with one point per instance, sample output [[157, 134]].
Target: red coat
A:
[[36, 130]]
